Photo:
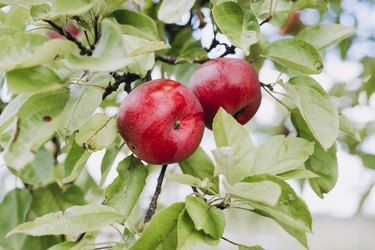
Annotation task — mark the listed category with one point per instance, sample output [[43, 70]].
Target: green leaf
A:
[[117, 51], [279, 154], [367, 159], [322, 36], [262, 8], [298, 173], [24, 50], [74, 163], [316, 107], [33, 80], [242, 29], [257, 247], [290, 212], [110, 53], [8, 30], [348, 127], [136, 24], [97, 133], [321, 5], [192, 55], [82, 103], [171, 11], [322, 162], [9, 114], [146, 46], [38, 119], [57, 198], [57, 8], [208, 218], [295, 54], [187, 179], [265, 191], [107, 162], [86, 243], [364, 197], [21, 3], [200, 165], [161, 232], [39, 170], [13, 211], [188, 236], [123, 193], [235, 152], [74, 220]]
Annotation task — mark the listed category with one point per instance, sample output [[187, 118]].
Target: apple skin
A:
[[161, 121], [229, 83]]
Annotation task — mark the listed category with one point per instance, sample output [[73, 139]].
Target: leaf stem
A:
[[230, 241], [153, 204], [274, 97]]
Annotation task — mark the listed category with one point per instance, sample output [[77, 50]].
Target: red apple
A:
[[229, 83], [161, 121]]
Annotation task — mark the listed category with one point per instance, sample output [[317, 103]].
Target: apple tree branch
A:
[[154, 201]]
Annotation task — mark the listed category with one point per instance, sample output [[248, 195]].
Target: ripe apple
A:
[[229, 83], [161, 121], [70, 28], [293, 24]]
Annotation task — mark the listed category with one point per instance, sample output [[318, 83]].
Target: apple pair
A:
[[162, 121]]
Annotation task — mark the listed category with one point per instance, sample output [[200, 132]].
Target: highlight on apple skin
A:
[[161, 121], [229, 83]]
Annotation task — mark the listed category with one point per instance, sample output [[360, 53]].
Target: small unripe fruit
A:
[[229, 83], [161, 122]]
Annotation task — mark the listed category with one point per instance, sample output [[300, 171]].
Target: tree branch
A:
[[126, 78], [153, 204], [70, 37]]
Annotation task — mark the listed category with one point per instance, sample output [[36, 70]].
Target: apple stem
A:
[[154, 201]]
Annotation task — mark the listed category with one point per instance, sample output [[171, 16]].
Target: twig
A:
[[228, 50], [200, 15], [80, 237], [70, 37], [153, 204], [195, 190], [96, 30], [166, 59], [126, 78], [173, 60], [266, 20]]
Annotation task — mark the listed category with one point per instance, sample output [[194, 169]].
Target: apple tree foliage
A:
[[58, 103]]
